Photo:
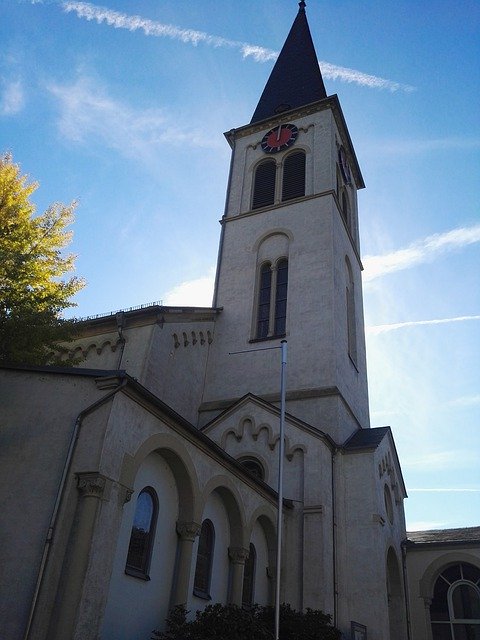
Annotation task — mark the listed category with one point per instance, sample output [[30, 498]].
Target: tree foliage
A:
[[33, 290], [256, 623]]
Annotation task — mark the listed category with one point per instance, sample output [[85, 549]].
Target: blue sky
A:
[[122, 106]]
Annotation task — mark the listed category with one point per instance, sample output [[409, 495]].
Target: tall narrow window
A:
[[351, 316], [203, 569], [143, 533], [281, 298], [264, 184], [345, 208], [293, 185], [249, 578], [264, 296]]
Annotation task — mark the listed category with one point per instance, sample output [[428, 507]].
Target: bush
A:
[[229, 622]]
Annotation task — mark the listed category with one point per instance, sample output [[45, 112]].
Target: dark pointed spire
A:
[[296, 79]]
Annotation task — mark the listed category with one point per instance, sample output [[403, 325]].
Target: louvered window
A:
[[293, 185], [281, 297], [264, 184], [264, 300]]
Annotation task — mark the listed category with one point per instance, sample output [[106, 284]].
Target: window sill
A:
[[277, 337], [202, 594], [136, 573]]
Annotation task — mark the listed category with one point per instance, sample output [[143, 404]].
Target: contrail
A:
[[119, 20], [384, 328]]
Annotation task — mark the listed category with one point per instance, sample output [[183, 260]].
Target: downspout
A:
[[59, 499], [223, 221], [405, 587], [334, 543]]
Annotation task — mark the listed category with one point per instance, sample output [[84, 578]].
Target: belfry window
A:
[[293, 184], [272, 300], [264, 184], [203, 568], [455, 607], [142, 535]]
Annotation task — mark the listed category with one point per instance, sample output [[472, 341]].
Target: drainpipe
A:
[[59, 499], [334, 543], [405, 586], [223, 222]]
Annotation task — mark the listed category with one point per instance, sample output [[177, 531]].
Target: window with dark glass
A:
[[203, 568], [293, 184], [345, 208], [272, 300], [249, 577], [455, 606], [351, 315], [264, 300], [264, 184], [143, 534], [281, 298], [254, 467]]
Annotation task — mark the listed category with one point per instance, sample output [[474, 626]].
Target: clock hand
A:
[[279, 130]]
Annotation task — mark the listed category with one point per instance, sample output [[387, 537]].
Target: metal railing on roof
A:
[[157, 303]]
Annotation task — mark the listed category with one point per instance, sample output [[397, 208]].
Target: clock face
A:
[[279, 138]]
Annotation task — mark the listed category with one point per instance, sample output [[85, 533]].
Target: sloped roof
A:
[[366, 439], [296, 79], [466, 535]]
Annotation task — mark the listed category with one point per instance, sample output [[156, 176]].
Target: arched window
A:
[[203, 568], [388, 503], [455, 607], [143, 534], [264, 295], [254, 467], [249, 578], [272, 300], [351, 315], [345, 208], [264, 184], [293, 184], [281, 298]]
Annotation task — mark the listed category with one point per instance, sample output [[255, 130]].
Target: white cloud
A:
[[192, 293], [465, 401], [119, 20], [12, 97], [87, 112], [419, 252], [384, 328]]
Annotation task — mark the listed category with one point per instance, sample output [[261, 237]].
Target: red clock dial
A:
[[279, 138]]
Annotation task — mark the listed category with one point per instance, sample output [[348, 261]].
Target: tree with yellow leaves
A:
[[33, 290]]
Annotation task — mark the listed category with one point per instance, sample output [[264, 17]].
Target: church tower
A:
[[289, 259]]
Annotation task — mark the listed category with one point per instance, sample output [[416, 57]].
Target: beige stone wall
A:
[[316, 243]]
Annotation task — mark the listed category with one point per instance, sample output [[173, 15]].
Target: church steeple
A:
[[296, 79]]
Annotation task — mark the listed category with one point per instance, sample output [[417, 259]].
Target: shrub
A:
[[229, 622]]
